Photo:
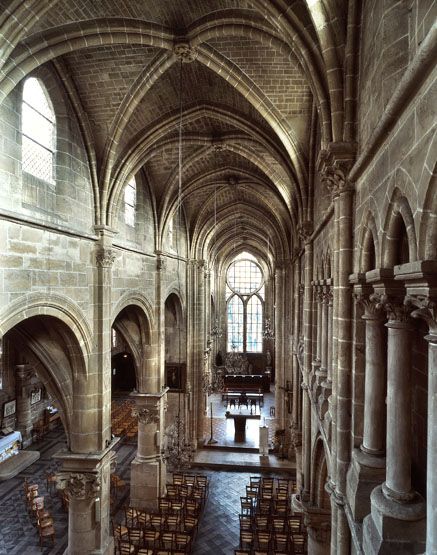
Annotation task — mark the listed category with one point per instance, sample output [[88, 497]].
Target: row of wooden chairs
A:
[[37, 510], [272, 541], [266, 507], [191, 481], [292, 524], [122, 421]]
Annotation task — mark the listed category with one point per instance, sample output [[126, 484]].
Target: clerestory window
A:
[[245, 303], [130, 201], [38, 129]]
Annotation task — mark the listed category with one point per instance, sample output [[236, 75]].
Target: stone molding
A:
[[79, 485], [105, 258], [161, 263], [184, 51], [146, 415]]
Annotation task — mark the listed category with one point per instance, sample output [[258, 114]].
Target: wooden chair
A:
[[246, 539], [190, 524], [145, 551], [125, 548], [280, 541], [130, 516], [178, 479], [168, 540], [242, 552], [294, 524], [203, 484], [246, 506], [119, 531], [299, 544], [263, 539], [135, 536], [151, 539], [182, 542], [46, 530], [245, 522], [262, 522], [143, 518]]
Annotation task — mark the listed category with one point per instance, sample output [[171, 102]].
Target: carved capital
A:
[[334, 166], [79, 485], [398, 312], [425, 309], [105, 258], [372, 305], [304, 230], [146, 415], [160, 263], [183, 51]]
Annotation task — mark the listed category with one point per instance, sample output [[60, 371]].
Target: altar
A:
[[9, 445]]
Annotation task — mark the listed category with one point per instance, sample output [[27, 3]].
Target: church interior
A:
[[218, 277]]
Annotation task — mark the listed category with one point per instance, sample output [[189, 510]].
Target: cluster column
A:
[[397, 511]]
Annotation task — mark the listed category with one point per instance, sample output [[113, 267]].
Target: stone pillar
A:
[[334, 164], [368, 463], [86, 480], [23, 375], [317, 301], [375, 380], [148, 470], [279, 348], [305, 234], [431, 489], [398, 512], [199, 346]]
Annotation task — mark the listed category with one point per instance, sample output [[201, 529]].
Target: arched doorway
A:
[[123, 373]]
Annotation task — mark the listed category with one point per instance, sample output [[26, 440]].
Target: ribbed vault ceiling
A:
[[259, 88]]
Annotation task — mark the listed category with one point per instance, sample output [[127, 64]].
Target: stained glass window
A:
[[130, 200], [38, 131], [254, 339], [245, 293], [235, 324]]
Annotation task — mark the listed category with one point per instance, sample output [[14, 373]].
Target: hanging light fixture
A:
[[178, 452], [268, 332], [216, 330]]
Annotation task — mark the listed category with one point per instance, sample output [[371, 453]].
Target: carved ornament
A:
[[105, 258], [145, 415], [184, 52], [79, 485]]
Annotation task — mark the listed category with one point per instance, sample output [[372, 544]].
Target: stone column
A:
[[86, 480], [398, 512], [305, 234], [279, 346], [334, 164], [23, 375], [322, 372], [375, 380], [199, 346], [148, 470], [327, 383], [431, 489], [368, 463], [317, 300]]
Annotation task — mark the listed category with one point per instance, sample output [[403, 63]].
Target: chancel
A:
[[218, 277]]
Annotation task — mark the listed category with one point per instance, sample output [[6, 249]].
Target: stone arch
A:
[[58, 306], [369, 252], [320, 473], [399, 227], [175, 328]]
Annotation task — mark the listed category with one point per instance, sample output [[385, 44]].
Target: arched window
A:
[[130, 201], [245, 296], [38, 128]]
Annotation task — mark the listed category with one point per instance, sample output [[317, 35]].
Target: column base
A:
[[394, 527], [365, 473], [147, 482]]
